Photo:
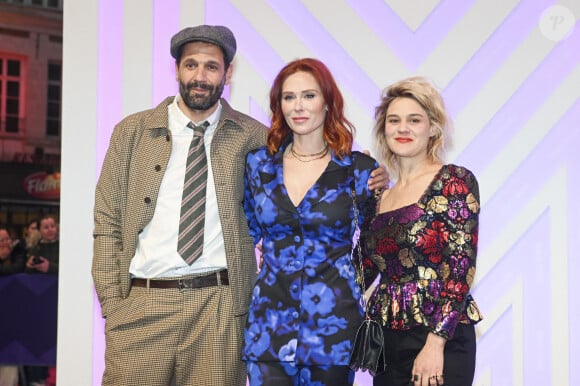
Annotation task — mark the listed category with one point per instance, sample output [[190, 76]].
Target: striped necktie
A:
[[191, 222]]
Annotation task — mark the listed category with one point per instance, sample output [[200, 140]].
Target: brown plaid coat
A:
[[128, 186]]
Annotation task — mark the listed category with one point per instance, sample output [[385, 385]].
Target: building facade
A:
[[30, 109]]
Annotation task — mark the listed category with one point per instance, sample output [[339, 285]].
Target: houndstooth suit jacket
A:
[[128, 186]]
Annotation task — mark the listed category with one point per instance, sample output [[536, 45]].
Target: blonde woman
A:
[[423, 243]]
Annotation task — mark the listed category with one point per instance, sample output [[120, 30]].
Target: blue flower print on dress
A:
[[306, 378], [266, 209], [331, 325], [254, 372], [281, 321], [312, 346], [347, 271], [257, 338], [318, 298], [287, 352], [308, 302], [341, 351], [315, 257]]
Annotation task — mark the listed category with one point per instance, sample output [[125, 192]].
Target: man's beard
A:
[[201, 102]]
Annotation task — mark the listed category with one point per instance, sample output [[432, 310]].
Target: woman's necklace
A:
[[313, 156]]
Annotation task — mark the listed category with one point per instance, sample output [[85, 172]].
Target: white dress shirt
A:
[[156, 255]]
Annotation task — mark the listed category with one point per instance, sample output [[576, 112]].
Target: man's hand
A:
[[379, 178]]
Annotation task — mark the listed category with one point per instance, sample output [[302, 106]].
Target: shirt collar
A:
[[182, 120]]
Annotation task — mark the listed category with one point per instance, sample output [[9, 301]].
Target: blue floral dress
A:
[[305, 305]]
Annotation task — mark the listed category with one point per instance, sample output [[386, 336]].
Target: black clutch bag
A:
[[368, 349], [367, 352]]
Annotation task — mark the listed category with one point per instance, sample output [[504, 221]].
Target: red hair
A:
[[338, 131]]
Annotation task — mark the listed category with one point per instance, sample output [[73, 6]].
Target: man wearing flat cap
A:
[[174, 264], [175, 307]]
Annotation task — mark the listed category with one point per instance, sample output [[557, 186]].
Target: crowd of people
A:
[[35, 250]]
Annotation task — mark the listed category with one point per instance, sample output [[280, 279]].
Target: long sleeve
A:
[[108, 241], [249, 201], [458, 206]]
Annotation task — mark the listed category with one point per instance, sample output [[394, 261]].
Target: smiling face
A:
[[202, 75], [5, 244], [48, 229], [303, 104], [407, 128]]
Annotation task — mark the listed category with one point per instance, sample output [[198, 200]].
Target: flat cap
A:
[[216, 34]]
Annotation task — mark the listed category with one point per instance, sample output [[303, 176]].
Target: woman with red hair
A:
[[300, 192]]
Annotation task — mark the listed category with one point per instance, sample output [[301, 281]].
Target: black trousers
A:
[[286, 374], [402, 347]]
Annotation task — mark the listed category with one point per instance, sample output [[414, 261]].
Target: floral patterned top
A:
[[425, 254], [305, 304]]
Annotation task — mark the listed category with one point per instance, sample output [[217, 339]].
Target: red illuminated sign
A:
[[43, 185]]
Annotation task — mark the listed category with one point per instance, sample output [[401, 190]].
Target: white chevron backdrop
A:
[[510, 74]]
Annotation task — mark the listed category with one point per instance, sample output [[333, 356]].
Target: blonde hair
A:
[[422, 91], [32, 238]]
